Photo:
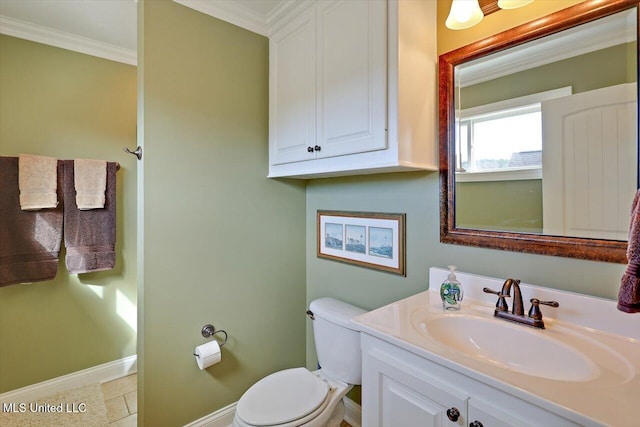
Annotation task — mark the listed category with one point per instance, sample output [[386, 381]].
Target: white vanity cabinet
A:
[[353, 88], [396, 393], [402, 389]]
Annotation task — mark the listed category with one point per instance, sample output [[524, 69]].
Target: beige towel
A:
[[37, 180], [90, 180]]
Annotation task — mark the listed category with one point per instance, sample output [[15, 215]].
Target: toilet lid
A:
[[282, 397]]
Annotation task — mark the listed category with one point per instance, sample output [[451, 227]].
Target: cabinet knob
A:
[[453, 414], [310, 149], [317, 148], [475, 423]]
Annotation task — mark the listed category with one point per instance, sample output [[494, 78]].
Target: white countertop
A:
[[611, 398]]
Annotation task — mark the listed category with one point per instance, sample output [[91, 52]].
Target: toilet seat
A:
[[289, 397]]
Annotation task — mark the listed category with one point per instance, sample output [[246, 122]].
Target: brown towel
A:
[[629, 295], [89, 236], [29, 240]]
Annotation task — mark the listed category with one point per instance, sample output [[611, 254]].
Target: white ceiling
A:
[[107, 28]]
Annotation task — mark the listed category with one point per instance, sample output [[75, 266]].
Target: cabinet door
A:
[[352, 72], [403, 406], [292, 100], [396, 394]]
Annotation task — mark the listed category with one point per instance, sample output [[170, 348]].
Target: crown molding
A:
[[247, 18], [284, 12], [40, 34], [234, 13], [37, 33], [609, 31]]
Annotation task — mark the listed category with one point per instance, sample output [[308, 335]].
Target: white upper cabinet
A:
[[351, 78], [352, 89], [292, 90]]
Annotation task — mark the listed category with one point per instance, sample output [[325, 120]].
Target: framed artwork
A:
[[368, 239]]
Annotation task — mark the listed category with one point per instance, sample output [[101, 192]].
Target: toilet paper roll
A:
[[207, 354]]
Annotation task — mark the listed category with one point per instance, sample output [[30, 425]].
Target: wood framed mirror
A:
[[569, 195]]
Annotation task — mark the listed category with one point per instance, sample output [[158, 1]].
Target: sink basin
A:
[[509, 346]]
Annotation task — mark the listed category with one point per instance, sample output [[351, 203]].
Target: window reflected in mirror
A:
[[539, 135], [546, 134]]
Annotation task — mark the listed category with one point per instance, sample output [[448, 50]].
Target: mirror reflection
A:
[[546, 134]]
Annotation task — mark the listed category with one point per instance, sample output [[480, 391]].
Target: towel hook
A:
[[210, 330], [137, 152]]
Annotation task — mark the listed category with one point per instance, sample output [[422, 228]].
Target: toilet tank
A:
[[337, 339]]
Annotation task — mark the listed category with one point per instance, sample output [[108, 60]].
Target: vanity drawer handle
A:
[[475, 423], [453, 414]]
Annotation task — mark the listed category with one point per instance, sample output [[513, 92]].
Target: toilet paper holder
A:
[[210, 330]]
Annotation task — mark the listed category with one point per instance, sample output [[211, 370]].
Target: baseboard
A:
[[352, 412], [224, 417], [221, 418], [97, 374]]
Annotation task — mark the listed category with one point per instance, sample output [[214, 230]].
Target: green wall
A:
[[222, 243], [68, 105], [514, 205]]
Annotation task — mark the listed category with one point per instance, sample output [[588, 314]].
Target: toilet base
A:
[[337, 416]]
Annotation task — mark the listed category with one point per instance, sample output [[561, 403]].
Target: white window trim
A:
[[519, 174], [478, 112]]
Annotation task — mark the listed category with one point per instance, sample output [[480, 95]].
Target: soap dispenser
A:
[[451, 291]]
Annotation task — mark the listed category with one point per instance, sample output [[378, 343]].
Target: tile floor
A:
[[121, 401]]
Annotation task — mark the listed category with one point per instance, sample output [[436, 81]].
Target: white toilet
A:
[[299, 397]]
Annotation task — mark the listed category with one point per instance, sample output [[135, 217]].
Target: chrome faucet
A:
[[533, 318]]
